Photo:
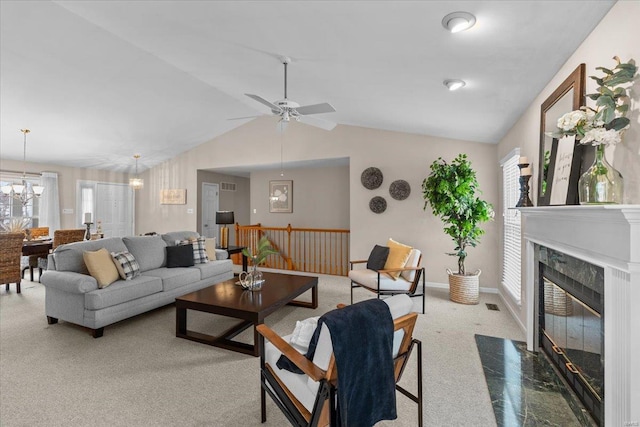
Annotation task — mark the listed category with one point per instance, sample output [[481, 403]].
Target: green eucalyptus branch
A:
[[263, 250]]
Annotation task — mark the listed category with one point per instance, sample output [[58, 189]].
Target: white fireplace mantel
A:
[[607, 236]]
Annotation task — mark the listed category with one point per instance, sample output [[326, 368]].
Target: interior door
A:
[[210, 202], [114, 207]]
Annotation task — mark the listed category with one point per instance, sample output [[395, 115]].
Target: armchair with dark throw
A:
[[363, 348]]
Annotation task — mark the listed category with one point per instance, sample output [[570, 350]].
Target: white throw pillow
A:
[[303, 332]]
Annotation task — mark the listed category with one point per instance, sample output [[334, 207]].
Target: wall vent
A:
[[228, 186]]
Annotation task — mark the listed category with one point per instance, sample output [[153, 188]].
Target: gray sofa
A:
[[73, 295]]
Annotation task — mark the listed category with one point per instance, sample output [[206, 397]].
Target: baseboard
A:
[[513, 313], [438, 285]]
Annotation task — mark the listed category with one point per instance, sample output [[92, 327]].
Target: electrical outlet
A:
[[67, 211], [189, 211], [255, 211]]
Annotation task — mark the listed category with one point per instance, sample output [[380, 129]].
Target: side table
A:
[[237, 250]]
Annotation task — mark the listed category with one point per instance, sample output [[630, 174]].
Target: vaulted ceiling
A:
[[97, 81]]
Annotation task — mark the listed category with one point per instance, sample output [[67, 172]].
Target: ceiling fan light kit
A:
[[458, 21], [288, 110], [454, 84]]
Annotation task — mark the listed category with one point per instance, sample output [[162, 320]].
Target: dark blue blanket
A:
[[362, 337]]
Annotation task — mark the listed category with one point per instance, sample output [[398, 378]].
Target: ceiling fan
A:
[[288, 109]]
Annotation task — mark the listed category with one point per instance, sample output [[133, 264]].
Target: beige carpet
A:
[[140, 374]]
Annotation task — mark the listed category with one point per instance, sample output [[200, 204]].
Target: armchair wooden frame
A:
[[324, 411], [412, 289]]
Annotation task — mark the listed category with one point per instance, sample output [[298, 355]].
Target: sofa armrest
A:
[[69, 281], [221, 254]]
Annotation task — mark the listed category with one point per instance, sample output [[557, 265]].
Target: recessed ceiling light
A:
[[454, 84], [458, 21]]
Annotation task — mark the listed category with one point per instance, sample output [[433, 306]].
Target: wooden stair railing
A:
[[312, 250]]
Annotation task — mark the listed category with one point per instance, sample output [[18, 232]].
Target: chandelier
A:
[[23, 191], [136, 183]]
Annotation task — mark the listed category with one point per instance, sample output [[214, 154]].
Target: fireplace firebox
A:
[[571, 323]]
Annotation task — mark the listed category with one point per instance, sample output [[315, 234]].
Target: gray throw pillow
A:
[[378, 257]]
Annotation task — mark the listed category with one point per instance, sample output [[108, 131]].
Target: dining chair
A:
[[10, 253], [61, 237], [309, 399], [32, 261]]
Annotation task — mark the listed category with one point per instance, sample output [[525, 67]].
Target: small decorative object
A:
[[602, 126], [176, 196], [450, 189], [99, 227], [525, 175], [281, 196], [15, 225], [601, 183], [378, 204], [252, 280], [87, 234], [371, 178], [400, 189]]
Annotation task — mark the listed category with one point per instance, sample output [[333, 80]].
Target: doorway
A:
[[108, 202], [210, 205]]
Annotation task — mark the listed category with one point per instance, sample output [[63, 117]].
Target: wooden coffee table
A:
[[229, 299]]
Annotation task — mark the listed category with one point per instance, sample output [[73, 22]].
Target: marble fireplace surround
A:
[[607, 236]]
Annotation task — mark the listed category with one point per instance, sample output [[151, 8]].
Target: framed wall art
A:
[[281, 196], [176, 196]]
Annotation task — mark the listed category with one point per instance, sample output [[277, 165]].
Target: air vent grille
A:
[[228, 186]]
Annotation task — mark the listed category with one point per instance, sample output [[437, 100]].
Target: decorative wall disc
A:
[[378, 204], [400, 189], [371, 178]]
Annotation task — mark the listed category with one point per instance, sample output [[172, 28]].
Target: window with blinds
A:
[[511, 238]]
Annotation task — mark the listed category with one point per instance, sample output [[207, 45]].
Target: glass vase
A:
[[601, 184], [256, 277]]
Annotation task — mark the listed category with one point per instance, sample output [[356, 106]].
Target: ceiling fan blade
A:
[[316, 109], [264, 101], [320, 123]]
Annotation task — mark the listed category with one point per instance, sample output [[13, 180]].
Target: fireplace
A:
[[571, 323], [604, 244]]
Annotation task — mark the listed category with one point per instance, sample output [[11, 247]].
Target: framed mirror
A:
[[567, 97]]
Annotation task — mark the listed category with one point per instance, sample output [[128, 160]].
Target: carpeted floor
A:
[[140, 374]]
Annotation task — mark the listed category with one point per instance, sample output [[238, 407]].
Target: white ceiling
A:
[[97, 81]]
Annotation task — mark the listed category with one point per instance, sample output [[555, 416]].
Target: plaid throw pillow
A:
[[199, 249], [127, 266]]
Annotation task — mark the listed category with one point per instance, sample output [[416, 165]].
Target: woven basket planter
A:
[[464, 289]]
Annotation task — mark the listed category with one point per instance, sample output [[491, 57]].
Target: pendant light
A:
[[136, 183], [22, 191]]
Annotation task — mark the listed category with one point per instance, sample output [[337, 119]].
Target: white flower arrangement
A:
[[605, 124]]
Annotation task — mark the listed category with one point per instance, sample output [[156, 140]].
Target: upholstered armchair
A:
[[309, 398], [390, 281]]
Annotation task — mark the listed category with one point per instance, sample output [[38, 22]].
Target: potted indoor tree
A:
[[451, 190]]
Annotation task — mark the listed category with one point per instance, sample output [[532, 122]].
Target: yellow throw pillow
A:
[[101, 267], [398, 256]]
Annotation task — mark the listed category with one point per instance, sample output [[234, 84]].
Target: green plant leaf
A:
[[604, 70], [618, 123]]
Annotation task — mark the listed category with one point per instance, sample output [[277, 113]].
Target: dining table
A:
[[38, 248]]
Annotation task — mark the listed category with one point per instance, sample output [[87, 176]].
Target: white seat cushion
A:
[[369, 278]]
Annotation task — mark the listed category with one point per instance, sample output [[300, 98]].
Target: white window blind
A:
[[511, 238]]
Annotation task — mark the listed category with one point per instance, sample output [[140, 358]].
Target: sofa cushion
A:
[[173, 278], [149, 251], [180, 256], [127, 266], [101, 267], [68, 257], [214, 268], [122, 291], [170, 238]]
